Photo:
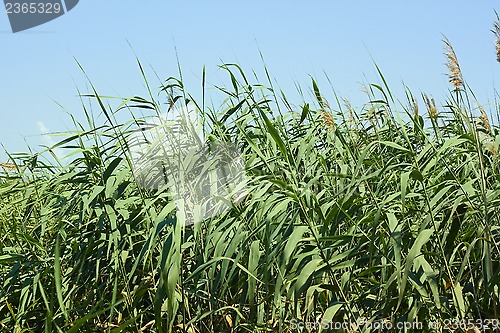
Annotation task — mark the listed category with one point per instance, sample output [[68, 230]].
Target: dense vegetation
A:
[[387, 213]]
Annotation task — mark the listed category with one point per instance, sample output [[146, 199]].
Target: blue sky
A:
[[298, 39]]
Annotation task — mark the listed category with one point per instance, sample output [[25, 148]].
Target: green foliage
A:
[[348, 215]]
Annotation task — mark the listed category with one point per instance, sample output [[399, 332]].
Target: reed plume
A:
[[455, 74], [431, 107], [328, 120], [8, 166], [485, 120], [496, 32], [414, 106]]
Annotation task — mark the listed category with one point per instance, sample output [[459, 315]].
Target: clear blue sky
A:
[[297, 39]]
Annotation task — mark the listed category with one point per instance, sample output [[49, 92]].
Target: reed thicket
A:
[[386, 213]]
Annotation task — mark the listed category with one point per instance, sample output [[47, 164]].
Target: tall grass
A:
[[387, 213]]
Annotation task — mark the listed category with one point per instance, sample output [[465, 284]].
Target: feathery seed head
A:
[[485, 120], [492, 149], [431, 107], [455, 74], [415, 107], [328, 120], [7, 167], [496, 32]]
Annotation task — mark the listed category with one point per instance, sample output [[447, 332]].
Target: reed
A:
[[392, 218]]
